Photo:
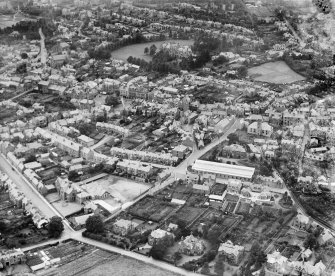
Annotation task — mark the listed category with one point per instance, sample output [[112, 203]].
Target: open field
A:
[[123, 266], [137, 50], [274, 72]]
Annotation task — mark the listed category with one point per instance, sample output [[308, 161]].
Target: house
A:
[[191, 246], [43, 86], [277, 263], [80, 221], [179, 151], [157, 235], [12, 257], [212, 172], [232, 253], [260, 128], [58, 61], [124, 227], [234, 151], [301, 222], [234, 186], [292, 118], [85, 141]]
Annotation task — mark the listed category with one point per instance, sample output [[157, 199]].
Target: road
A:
[[43, 51], [196, 154]]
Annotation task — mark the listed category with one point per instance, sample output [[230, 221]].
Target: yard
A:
[[137, 50], [274, 72]]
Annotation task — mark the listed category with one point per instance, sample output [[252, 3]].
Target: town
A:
[[167, 138]]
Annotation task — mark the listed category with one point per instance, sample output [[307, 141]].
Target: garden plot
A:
[[153, 209], [187, 214]]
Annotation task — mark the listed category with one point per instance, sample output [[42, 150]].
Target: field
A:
[[137, 50], [274, 72], [123, 266]]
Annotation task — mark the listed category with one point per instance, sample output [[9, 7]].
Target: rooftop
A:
[[223, 169]]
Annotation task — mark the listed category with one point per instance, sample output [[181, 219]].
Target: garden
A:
[[17, 228], [150, 208]]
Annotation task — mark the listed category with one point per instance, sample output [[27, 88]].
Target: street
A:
[[36, 198]]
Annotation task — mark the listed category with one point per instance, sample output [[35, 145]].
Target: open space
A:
[[137, 50], [123, 190], [274, 72]]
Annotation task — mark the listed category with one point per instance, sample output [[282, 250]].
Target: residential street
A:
[[36, 198]]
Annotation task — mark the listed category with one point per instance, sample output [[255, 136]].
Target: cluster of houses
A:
[[20, 201]]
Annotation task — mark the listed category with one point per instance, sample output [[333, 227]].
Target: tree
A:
[[153, 50], [55, 227], [21, 68], [233, 138], [146, 50], [72, 175], [111, 100], [262, 272], [177, 256], [213, 234], [311, 242], [205, 269], [30, 158], [157, 252], [3, 226], [219, 266], [94, 224], [24, 55]]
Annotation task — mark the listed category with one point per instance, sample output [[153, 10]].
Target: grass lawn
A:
[[274, 72]]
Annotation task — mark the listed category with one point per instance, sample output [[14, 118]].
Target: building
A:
[[232, 253], [301, 222], [234, 151], [259, 128], [212, 172], [12, 257], [157, 235], [85, 141], [192, 246], [124, 227]]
